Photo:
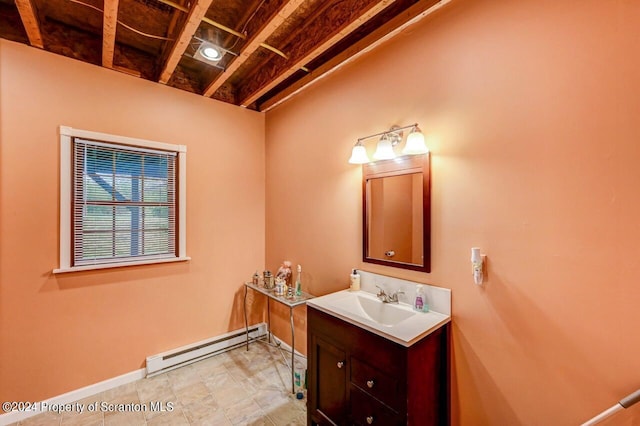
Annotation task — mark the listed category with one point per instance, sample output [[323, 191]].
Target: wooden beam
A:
[[194, 18], [289, 40], [109, 25], [366, 14], [30, 22], [268, 28], [388, 30], [128, 71]]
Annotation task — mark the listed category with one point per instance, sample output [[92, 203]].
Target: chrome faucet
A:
[[388, 298]]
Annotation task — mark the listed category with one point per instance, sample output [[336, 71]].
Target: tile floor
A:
[[238, 387]]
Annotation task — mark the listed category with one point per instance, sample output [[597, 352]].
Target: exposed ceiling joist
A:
[[156, 39], [367, 14], [267, 30], [197, 12], [30, 22], [110, 23], [389, 29]]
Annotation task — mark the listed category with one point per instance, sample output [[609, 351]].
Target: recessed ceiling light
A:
[[211, 53], [208, 52]]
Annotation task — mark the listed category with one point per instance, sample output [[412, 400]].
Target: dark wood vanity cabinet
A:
[[356, 377]]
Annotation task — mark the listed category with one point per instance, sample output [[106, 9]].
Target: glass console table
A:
[[291, 303]]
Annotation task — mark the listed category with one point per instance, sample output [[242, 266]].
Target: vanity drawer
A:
[[332, 328], [366, 410], [375, 382]]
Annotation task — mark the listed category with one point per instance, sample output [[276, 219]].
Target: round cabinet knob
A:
[[370, 383], [340, 364], [370, 420]]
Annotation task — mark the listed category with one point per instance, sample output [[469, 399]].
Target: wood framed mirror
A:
[[397, 212]]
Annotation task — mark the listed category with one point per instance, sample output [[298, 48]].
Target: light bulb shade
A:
[[415, 143], [384, 151], [359, 155]]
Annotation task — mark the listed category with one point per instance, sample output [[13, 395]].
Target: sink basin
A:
[[396, 322], [384, 314]]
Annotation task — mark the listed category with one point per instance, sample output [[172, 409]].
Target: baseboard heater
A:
[[179, 357]]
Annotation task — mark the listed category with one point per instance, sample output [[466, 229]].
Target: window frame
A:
[[66, 197]]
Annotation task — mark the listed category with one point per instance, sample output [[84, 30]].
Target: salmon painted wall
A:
[[62, 332], [531, 113]]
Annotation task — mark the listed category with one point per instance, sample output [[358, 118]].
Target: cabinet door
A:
[[330, 387]]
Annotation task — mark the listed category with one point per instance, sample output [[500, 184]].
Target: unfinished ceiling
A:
[[269, 49]]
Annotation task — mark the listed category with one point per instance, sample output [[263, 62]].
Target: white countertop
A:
[[411, 326]]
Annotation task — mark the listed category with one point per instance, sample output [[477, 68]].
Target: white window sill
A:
[[119, 265]]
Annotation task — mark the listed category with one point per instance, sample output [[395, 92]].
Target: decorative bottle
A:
[[299, 282]]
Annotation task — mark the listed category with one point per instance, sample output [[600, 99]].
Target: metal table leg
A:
[[293, 351], [291, 304], [246, 322], [269, 317]]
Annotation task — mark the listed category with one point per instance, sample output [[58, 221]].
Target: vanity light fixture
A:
[[389, 139]]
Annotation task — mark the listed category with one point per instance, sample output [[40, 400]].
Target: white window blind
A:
[[123, 203]]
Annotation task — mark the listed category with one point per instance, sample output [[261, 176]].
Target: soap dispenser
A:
[[420, 303], [354, 280]]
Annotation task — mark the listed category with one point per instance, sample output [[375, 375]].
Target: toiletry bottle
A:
[[299, 380], [354, 281], [299, 282], [256, 279], [420, 303]]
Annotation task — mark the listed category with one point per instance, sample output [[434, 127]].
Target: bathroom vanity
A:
[[362, 369]]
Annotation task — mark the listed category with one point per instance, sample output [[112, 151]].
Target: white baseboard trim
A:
[[74, 395], [188, 354], [105, 385]]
